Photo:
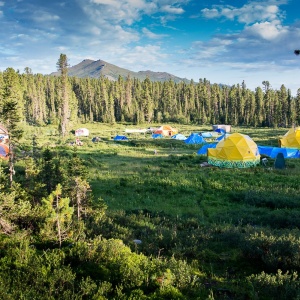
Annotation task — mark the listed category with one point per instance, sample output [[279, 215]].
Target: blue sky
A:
[[223, 41]]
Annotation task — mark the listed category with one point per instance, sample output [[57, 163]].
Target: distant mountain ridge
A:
[[95, 69]]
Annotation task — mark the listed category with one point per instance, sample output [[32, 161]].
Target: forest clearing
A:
[[150, 226]]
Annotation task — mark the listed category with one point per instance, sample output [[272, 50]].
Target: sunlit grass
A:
[[128, 175]]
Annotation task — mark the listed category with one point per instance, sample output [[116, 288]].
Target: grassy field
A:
[[233, 222], [128, 176]]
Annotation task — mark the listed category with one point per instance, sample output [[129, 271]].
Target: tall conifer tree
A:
[[62, 67]]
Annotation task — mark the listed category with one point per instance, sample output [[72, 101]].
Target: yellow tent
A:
[[235, 151], [291, 139]]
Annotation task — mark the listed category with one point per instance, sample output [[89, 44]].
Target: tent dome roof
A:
[[291, 139], [235, 151], [4, 150]]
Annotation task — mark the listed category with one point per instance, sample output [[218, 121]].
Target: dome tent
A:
[[120, 138], [195, 138], [157, 136], [166, 130], [4, 150], [235, 151], [179, 136], [82, 132], [291, 139]]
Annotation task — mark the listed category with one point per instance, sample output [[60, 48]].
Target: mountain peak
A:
[[95, 69]]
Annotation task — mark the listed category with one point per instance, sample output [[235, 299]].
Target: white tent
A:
[[227, 128], [135, 130], [82, 132]]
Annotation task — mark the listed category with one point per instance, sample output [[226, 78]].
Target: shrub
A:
[[275, 286], [275, 251]]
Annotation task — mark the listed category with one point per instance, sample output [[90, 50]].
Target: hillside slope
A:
[[95, 69]]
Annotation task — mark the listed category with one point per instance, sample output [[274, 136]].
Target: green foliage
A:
[[149, 227], [13, 208], [279, 286], [61, 100], [57, 217], [276, 251]]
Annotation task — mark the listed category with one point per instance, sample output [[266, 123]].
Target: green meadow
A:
[[222, 233]]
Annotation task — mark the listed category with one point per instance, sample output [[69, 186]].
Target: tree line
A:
[[65, 100]]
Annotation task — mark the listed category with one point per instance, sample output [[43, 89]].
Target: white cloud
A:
[[249, 13], [114, 3], [42, 16], [149, 34], [130, 11], [210, 13], [171, 9], [267, 30], [141, 58], [62, 48], [212, 49], [95, 30]]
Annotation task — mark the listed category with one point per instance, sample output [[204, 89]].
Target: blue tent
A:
[[195, 138], [120, 138], [157, 136], [210, 134], [203, 149], [220, 130], [222, 137], [273, 151], [179, 136]]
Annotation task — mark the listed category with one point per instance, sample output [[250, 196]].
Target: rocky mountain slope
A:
[[95, 69]]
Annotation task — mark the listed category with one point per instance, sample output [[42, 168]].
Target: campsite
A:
[[171, 228]]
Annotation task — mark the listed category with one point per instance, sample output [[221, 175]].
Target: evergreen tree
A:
[[62, 67], [10, 113], [297, 107], [58, 217]]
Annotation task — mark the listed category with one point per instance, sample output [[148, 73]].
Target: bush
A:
[[275, 251], [275, 286]]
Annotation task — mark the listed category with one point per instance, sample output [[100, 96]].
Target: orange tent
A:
[[4, 150], [166, 130]]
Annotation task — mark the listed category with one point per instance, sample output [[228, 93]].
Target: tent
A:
[[220, 130], [291, 139], [4, 150], [220, 138], [82, 132], [120, 138], [96, 139], [3, 138], [236, 151], [157, 136], [203, 149], [209, 134], [273, 151], [3, 134], [179, 136], [227, 128], [195, 138], [166, 130], [127, 130]]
